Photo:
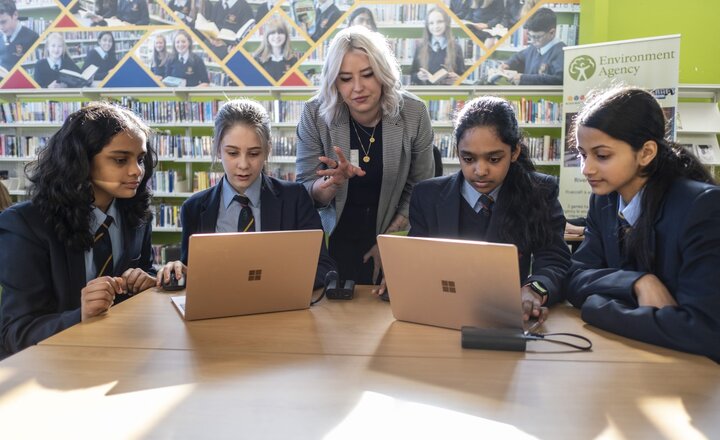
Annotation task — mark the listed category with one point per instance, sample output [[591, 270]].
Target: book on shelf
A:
[[501, 76], [78, 79], [210, 29], [174, 81]]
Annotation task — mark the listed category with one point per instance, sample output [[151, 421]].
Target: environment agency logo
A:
[[582, 68]]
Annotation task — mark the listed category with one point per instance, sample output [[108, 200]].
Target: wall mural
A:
[[215, 43]]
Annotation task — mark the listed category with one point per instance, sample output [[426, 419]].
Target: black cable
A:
[[543, 337]]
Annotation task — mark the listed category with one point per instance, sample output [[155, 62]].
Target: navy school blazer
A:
[[42, 278], [284, 206], [687, 261], [435, 212]]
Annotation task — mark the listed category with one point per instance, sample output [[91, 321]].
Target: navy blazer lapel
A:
[[76, 270], [448, 210], [270, 206], [610, 232], [209, 210]]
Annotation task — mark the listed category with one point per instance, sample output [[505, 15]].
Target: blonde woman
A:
[[362, 145]]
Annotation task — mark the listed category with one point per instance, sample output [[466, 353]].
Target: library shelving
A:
[[182, 119]]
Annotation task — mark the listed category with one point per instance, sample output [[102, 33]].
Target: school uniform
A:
[[436, 61], [686, 247], [540, 67], [18, 45], [233, 16], [42, 279], [277, 69], [44, 74], [193, 70], [184, 10], [133, 11], [324, 19], [284, 206], [438, 209], [104, 63], [491, 15]]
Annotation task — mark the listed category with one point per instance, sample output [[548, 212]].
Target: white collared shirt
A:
[[228, 212], [472, 196], [632, 210]]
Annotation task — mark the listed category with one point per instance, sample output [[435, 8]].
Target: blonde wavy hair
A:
[[382, 61]]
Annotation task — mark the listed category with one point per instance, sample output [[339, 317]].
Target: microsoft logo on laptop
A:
[[448, 286], [255, 275]]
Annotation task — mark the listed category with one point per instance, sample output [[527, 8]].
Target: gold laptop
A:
[[234, 274], [452, 283]]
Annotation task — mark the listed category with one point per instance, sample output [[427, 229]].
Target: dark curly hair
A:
[[633, 115], [528, 221], [61, 187]]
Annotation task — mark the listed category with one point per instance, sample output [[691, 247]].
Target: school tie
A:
[[486, 204], [56, 67], [246, 220], [436, 46], [102, 249], [225, 5], [623, 229]]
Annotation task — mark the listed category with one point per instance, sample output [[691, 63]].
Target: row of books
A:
[[543, 148], [168, 181], [166, 216], [177, 146], [163, 253], [541, 111], [21, 146], [45, 111]]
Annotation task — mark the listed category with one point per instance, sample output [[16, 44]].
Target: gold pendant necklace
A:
[[366, 153]]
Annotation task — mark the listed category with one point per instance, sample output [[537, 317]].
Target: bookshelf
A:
[[182, 118]]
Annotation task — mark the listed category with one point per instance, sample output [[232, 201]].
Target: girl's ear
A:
[[647, 153], [516, 153]]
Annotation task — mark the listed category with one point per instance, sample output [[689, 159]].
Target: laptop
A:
[[452, 283], [231, 274]]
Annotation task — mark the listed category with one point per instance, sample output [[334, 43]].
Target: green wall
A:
[[698, 21]]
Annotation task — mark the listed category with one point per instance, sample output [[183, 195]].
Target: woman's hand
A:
[[137, 280], [98, 295], [650, 291], [338, 171], [398, 223], [374, 253], [163, 274]]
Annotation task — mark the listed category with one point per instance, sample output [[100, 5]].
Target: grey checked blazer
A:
[[407, 156]]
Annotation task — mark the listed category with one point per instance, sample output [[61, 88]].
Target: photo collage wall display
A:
[[217, 43]]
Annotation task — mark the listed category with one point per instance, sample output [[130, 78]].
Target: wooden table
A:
[[343, 369]]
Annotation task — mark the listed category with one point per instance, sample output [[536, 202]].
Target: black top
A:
[[365, 190], [277, 69], [104, 64]]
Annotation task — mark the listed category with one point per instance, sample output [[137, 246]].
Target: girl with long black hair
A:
[[82, 243], [648, 266], [499, 197]]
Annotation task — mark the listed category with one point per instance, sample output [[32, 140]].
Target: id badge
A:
[[355, 158]]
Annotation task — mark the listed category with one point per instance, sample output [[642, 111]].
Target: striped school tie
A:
[[246, 220], [102, 249], [486, 204], [624, 228]]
